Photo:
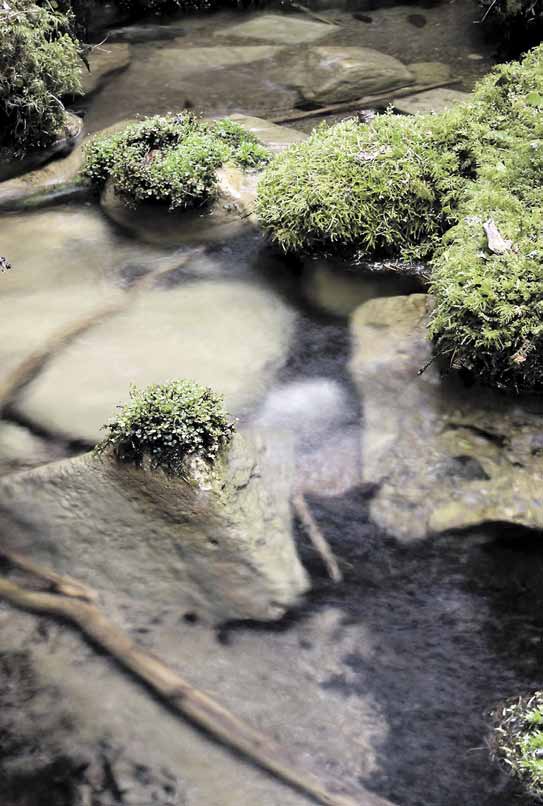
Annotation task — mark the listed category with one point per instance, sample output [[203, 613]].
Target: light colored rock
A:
[[179, 60], [215, 542], [276, 138], [59, 180], [442, 456], [328, 75], [29, 320], [288, 30], [227, 335], [105, 60], [438, 100], [61, 147], [430, 72], [225, 217]]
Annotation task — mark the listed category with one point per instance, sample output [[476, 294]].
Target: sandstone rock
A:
[[288, 30], [430, 72], [62, 146], [328, 75], [226, 217], [276, 138], [179, 60], [215, 543], [105, 60], [443, 456], [438, 100], [227, 335]]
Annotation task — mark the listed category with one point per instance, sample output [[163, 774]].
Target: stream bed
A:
[[385, 681]]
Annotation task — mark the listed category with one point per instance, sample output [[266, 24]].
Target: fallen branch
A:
[[64, 585], [366, 102], [171, 688], [312, 14], [316, 536]]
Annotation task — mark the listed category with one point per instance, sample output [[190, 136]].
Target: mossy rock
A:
[[63, 143]]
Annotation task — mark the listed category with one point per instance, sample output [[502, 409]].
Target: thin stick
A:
[[64, 585], [362, 103], [310, 13], [174, 690], [316, 536]]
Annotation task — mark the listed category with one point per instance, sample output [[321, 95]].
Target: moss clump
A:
[[389, 187], [488, 316], [39, 63], [171, 159], [519, 742], [169, 423]]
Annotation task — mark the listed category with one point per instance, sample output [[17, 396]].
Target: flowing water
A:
[[389, 678]]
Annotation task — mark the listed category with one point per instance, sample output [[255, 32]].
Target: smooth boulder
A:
[[442, 456], [431, 101], [225, 334], [329, 75], [215, 542]]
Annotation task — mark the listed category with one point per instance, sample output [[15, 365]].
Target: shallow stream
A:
[[388, 679]]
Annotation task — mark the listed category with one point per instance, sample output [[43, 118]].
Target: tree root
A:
[[169, 686], [316, 536]]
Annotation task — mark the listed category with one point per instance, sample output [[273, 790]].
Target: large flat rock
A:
[[227, 335], [287, 30], [276, 138], [432, 101], [215, 542], [328, 75], [443, 456], [180, 60]]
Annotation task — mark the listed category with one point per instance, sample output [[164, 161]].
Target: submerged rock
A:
[[329, 75], [215, 542], [105, 60], [438, 100], [20, 449], [430, 72], [288, 30], [443, 456], [227, 335]]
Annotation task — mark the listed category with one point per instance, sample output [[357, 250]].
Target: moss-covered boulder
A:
[[173, 511], [488, 274]]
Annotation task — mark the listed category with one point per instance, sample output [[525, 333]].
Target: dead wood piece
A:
[[176, 692], [312, 14], [316, 536], [64, 585], [496, 242], [367, 101]]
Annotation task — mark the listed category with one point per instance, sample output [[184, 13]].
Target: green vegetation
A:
[[39, 63], [390, 187], [488, 316], [172, 159], [519, 741], [462, 189], [168, 423]]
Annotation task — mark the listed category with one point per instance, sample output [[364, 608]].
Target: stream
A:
[[388, 680]]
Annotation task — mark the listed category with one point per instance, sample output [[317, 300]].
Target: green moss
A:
[[488, 316], [39, 63], [171, 159], [519, 742], [168, 423], [391, 186]]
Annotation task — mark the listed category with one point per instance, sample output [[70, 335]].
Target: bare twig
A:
[[316, 536], [172, 689], [312, 14], [64, 585], [362, 103]]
